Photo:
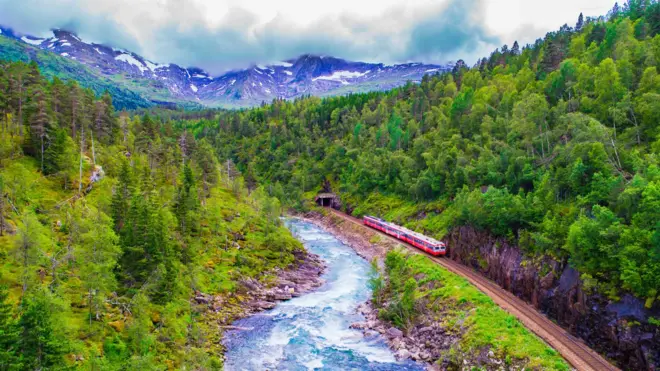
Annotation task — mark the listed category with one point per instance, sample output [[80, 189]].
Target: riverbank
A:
[[313, 331], [254, 296], [452, 325]]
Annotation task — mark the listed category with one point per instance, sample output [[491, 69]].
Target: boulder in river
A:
[[394, 332]]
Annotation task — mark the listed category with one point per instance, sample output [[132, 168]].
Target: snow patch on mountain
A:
[[341, 75], [282, 64], [131, 60], [193, 88], [150, 65], [32, 41]]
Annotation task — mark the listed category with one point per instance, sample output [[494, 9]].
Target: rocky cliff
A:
[[618, 329]]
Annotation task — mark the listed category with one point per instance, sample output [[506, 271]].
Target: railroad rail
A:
[[574, 350]]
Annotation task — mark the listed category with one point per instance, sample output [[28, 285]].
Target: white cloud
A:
[[219, 35]]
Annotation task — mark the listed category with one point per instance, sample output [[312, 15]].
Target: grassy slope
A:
[[214, 271], [464, 310]]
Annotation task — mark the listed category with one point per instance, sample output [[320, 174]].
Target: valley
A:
[[160, 217]]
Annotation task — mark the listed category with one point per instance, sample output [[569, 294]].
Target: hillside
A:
[[125, 244], [552, 148], [110, 226], [169, 84], [53, 65]]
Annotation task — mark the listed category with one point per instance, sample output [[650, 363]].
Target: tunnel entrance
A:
[[328, 200]]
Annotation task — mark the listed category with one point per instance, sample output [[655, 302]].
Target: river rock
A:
[[402, 354], [425, 329], [394, 332], [357, 325]]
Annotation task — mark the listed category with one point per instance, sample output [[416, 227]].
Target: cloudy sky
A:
[[218, 35]]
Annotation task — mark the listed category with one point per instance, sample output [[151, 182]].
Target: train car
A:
[[420, 241]]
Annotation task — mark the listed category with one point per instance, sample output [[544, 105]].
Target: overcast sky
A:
[[218, 35]]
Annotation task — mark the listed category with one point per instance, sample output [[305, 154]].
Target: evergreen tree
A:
[[41, 344], [580, 23], [40, 122], [97, 255], [8, 333], [186, 202], [122, 194], [515, 49]]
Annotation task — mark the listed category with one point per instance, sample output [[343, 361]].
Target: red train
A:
[[418, 240]]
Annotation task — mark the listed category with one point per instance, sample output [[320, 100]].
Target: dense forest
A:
[[110, 221], [555, 145], [109, 225]]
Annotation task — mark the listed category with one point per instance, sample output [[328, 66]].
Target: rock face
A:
[[620, 330]]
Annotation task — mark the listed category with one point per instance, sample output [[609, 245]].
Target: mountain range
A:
[[156, 83]]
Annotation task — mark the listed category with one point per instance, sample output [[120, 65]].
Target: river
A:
[[312, 332]]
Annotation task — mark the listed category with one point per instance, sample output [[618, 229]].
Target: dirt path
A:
[[578, 354]]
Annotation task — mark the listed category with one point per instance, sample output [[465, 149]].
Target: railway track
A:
[[578, 354]]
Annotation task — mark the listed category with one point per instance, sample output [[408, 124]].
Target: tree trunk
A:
[[20, 107], [91, 134]]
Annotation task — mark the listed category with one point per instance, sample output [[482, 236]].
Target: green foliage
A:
[[376, 283], [414, 280], [8, 333], [109, 225], [41, 341], [528, 144]]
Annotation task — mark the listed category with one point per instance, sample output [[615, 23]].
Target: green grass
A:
[[425, 217], [482, 323]]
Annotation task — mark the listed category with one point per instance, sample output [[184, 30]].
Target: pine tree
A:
[[122, 194], [4, 98], [580, 23], [40, 121], [75, 101], [653, 19], [32, 237], [186, 202], [8, 333], [39, 341], [60, 102], [18, 91], [106, 125], [54, 160], [206, 159], [515, 49], [614, 13], [2, 205], [98, 253]]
